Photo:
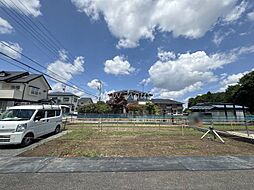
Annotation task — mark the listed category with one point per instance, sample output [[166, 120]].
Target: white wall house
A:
[[65, 98], [21, 88]]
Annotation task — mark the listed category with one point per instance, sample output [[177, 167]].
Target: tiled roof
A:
[[62, 94], [19, 77], [165, 101], [130, 91]]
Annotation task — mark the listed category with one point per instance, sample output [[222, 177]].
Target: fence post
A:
[[247, 128]]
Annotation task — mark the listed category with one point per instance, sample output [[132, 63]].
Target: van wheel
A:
[[58, 129], [27, 140]]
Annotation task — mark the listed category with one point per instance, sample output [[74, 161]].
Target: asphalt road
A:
[[237, 179]]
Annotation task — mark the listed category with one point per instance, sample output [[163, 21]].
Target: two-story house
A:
[[65, 98], [21, 88]]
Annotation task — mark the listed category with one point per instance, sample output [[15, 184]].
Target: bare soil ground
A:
[[128, 141]]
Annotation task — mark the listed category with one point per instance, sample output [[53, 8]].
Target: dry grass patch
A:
[[128, 141]]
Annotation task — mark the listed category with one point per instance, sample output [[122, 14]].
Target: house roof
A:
[[8, 76], [84, 99], [130, 91], [19, 77], [165, 101], [62, 94], [210, 106]]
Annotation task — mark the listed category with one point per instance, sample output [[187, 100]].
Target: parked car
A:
[[23, 124]]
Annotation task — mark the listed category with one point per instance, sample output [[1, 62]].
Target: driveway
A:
[[14, 150]]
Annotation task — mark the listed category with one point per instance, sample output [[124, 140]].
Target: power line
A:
[[56, 43], [37, 63], [24, 64], [27, 27], [13, 64]]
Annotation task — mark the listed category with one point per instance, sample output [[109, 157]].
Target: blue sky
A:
[[177, 48]]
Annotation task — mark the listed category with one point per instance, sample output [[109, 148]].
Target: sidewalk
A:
[[63, 165]]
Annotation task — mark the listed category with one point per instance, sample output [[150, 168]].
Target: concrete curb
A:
[[82, 164]]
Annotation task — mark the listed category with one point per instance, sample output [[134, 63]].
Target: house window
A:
[[15, 87], [66, 99], [34, 90], [75, 99]]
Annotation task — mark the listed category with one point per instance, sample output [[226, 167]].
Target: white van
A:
[[22, 124]]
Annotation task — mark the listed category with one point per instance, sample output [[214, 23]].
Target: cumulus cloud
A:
[[236, 13], [231, 80], [118, 66], [190, 71], [11, 49], [145, 81], [94, 84], [5, 27], [165, 55], [64, 71], [131, 21], [28, 7], [164, 93]]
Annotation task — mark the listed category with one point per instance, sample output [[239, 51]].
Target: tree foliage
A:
[[98, 108], [241, 93], [147, 109]]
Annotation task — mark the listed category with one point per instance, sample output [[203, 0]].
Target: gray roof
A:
[[165, 101], [27, 78], [8, 76], [19, 77], [210, 106], [130, 91], [62, 94]]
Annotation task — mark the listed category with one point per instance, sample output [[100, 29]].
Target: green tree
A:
[[136, 109], [244, 93], [241, 93], [102, 108], [99, 108]]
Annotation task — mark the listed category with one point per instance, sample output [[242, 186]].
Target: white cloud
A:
[[164, 93], [165, 55], [5, 27], [11, 50], [145, 81], [28, 7], [131, 21], [118, 66], [219, 36], [188, 72], [251, 15], [231, 80], [94, 84], [236, 13], [64, 71]]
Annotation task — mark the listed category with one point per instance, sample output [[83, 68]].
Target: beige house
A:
[[21, 88]]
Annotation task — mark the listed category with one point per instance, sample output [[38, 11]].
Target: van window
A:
[[58, 112], [40, 114], [16, 115], [51, 113]]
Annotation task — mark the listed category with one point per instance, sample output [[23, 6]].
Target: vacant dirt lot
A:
[[129, 141]]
